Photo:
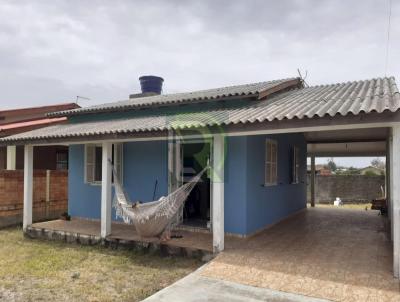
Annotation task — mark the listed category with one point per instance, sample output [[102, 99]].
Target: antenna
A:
[[303, 78], [82, 98], [388, 38]]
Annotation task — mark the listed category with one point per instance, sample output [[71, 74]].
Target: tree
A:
[[378, 163], [331, 164]]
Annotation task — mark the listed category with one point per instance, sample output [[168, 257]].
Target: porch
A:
[[186, 242]]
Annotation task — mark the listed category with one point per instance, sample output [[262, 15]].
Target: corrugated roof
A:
[[38, 122], [376, 95], [247, 90]]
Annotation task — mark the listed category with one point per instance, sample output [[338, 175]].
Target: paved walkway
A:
[[197, 288], [334, 254]]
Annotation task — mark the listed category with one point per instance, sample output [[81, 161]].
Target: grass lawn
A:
[[34, 270]]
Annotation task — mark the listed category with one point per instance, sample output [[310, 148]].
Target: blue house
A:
[[254, 137]]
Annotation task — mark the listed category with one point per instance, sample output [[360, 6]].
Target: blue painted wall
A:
[[269, 204], [83, 199], [249, 206], [143, 164], [235, 185]]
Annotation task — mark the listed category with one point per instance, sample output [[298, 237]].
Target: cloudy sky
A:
[[51, 51]]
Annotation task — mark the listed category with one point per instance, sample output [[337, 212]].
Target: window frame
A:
[[270, 164], [295, 166], [119, 162]]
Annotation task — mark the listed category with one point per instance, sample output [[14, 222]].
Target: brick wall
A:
[[350, 188], [46, 204]]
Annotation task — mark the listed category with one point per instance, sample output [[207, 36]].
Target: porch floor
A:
[[124, 232], [334, 254]]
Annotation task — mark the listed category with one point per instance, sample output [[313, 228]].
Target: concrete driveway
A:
[[197, 288], [334, 254]]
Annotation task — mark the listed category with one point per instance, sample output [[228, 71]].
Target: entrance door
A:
[[197, 208]]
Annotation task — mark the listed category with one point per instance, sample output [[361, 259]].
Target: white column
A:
[[312, 180], [11, 157], [389, 180], [218, 193], [106, 190], [396, 199], [28, 186]]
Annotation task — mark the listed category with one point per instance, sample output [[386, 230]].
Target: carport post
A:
[[389, 181], [395, 150], [106, 190], [28, 186], [312, 180], [218, 193]]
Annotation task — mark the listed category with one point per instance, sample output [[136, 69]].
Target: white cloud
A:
[[51, 51]]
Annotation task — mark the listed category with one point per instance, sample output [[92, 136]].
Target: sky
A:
[[53, 51], [356, 162]]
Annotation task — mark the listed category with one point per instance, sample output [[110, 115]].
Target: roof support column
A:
[[106, 190], [389, 181], [395, 167], [11, 157], [218, 170], [312, 181], [28, 186]]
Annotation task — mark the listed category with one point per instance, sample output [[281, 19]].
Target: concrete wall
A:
[[350, 188], [11, 195]]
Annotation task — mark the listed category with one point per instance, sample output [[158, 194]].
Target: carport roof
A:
[[351, 98]]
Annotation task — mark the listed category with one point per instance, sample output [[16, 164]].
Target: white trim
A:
[[218, 193], [237, 133], [106, 191], [396, 200]]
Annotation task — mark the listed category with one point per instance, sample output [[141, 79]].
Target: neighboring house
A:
[[15, 121], [319, 170], [372, 171], [51, 164], [255, 137]]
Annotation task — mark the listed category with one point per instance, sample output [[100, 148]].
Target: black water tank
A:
[[151, 84]]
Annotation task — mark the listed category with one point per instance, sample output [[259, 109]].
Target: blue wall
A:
[[143, 164], [268, 204], [235, 185], [249, 206], [83, 199]]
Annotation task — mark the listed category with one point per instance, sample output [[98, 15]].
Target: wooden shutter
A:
[[89, 163], [271, 162]]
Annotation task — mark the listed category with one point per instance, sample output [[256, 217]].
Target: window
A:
[[93, 162], [295, 167], [62, 160], [271, 160]]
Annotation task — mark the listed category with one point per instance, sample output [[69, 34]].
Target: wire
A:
[[388, 38]]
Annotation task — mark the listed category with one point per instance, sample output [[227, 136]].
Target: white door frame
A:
[[175, 166]]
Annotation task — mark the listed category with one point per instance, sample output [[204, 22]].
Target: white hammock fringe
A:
[[151, 218]]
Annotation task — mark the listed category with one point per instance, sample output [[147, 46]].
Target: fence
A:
[[350, 188], [50, 195]]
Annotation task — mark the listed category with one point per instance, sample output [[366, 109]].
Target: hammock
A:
[[152, 218]]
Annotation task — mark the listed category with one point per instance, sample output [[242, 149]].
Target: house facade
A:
[[255, 138]]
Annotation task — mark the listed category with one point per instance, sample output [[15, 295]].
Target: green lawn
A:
[[35, 270]]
